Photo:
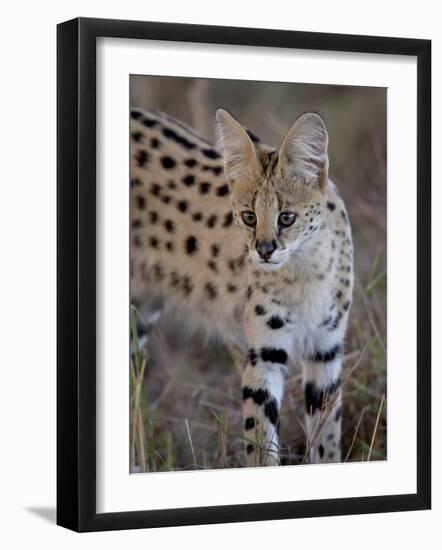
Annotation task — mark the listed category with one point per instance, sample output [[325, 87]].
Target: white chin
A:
[[273, 265], [269, 266]]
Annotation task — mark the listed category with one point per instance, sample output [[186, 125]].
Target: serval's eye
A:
[[286, 219], [249, 218]]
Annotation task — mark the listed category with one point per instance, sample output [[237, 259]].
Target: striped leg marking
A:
[[263, 382], [270, 338], [321, 374]]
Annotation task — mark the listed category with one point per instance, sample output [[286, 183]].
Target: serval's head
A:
[[278, 196]]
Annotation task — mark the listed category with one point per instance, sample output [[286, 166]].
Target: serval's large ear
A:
[[240, 159], [304, 152]]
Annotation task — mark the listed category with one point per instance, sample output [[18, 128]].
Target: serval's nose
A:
[[265, 249]]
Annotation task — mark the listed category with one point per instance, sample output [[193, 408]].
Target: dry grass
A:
[[186, 398]]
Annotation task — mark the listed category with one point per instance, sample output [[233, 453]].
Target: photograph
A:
[[258, 273], [243, 274]]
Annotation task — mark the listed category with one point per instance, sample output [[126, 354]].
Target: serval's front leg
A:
[[269, 341], [321, 377]]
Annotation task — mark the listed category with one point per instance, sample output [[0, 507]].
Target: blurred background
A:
[[186, 409]]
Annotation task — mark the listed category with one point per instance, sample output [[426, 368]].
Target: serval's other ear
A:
[[240, 159], [304, 150]]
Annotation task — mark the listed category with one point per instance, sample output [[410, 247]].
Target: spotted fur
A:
[[278, 286]]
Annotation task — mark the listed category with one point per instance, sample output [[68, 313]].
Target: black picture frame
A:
[[76, 273]]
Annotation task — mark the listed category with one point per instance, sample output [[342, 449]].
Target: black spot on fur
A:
[[149, 122], [168, 163], [135, 114], [346, 305], [253, 356], [187, 285], [331, 206], [140, 202], [189, 180], [211, 290], [250, 448], [182, 206], [222, 191], [249, 292], [211, 221], [258, 396], [197, 217], [190, 163], [344, 216], [326, 356], [271, 411], [136, 224], [275, 322], [261, 397], [212, 265], [315, 397], [211, 153], [155, 189], [246, 392], [181, 140], [191, 245], [249, 424], [215, 169], [321, 451], [170, 226], [166, 199], [204, 187], [214, 249], [259, 310], [231, 288], [137, 137], [336, 321], [155, 143], [142, 158], [135, 182], [153, 217], [338, 414], [170, 246], [274, 355], [171, 184], [228, 219], [153, 242]]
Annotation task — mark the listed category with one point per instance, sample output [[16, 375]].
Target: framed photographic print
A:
[[243, 274]]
